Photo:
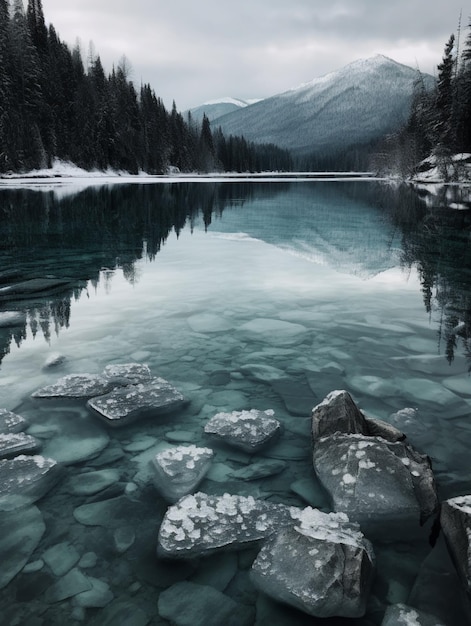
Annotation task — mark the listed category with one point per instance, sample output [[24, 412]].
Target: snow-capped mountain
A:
[[217, 108], [359, 103]]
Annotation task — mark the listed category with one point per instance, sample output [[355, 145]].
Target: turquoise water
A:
[[242, 295]]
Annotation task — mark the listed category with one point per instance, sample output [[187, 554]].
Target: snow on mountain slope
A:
[[217, 108], [361, 102]]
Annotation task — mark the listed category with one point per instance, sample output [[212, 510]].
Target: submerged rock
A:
[[124, 405], [11, 422], [273, 331], [61, 558], [178, 471], [190, 604], [70, 585], [20, 534], [26, 479], [260, 469], [200, 524], [76, 386], [374, 481], [12, 444], [455, 520], [91, 483], [247, 430], [403, 615], [321, 565]]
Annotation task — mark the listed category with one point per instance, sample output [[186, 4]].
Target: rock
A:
[[76, 386], [120, 614], [297, 396], [373, 480], [33, 566], [200, 524], [140, 444], [190, 604], [111, 513], [91, 483], [180, 436], [11, 422], [78, 441], [455, 519], [132, 373], [260, 469], [178, 471], [9, 319], [275, 332], [310, 491], [61, 558], [88, 560], [338, 413], [123, 537], [26, 479], [12, 444], [402, 615], [97, 597], [73, 583], [248, 430], [322, 566], [20, 534], [54, 360], [125, 405]]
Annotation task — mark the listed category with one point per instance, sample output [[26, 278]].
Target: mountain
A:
[[355, 105], [217, 108]]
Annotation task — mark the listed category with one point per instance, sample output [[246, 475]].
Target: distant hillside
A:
[[217, 108], [353, 106]]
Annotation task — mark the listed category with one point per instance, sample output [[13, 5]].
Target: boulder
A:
[[375, 481], [248, 430], [124, 405], [201, 524], [178, 471], [76, 386], [12, 444], [11, 422], [455, 519], [339, 413], [26, 479], [321, 565], [131, 373], [403, 615]]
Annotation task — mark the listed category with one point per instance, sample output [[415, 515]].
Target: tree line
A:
[[439, 125], [52, 105]]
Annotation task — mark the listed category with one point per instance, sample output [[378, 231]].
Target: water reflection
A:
[[357, 227]]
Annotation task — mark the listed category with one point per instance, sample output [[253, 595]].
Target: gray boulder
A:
[[76, 386], [339, 413], [403, 615], [178, 471], [12, 444], [201, 524], [455, 519], [26, 479], [248, 430], [375, 481], [322, 565], [127, 404], [130, 373], [11, 422]]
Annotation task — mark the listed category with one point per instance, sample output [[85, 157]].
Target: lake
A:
[[243, 295]]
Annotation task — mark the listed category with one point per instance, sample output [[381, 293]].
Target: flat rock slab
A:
[[260, 469], [132, 372], [403, 615], [13, 444], [323, 565], [20, 534], [125, 405], [111, 513], [61, 558], [97, 597], [76, 386], [275, 332], [91, 483], [297, 396], [73, 583], [200, 524], [26, 479], [11, 422], [191, 604], [78, 441], [248, 430], [178, 471]]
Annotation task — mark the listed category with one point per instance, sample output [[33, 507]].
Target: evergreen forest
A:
[[55, 106]]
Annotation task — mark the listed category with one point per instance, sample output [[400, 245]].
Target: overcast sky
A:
[[192, 51]]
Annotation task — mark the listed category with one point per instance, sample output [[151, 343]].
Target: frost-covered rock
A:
[[339, 413], [455, 520], [247, 430], [403, 615], [321, 565], [373, 480], [127, 404], [26, 479], [11, 422], [178, 471], [76, 386], [200, 524], [12, 444], [131, 373]]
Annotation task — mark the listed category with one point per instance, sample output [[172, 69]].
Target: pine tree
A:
[[444, 98]]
